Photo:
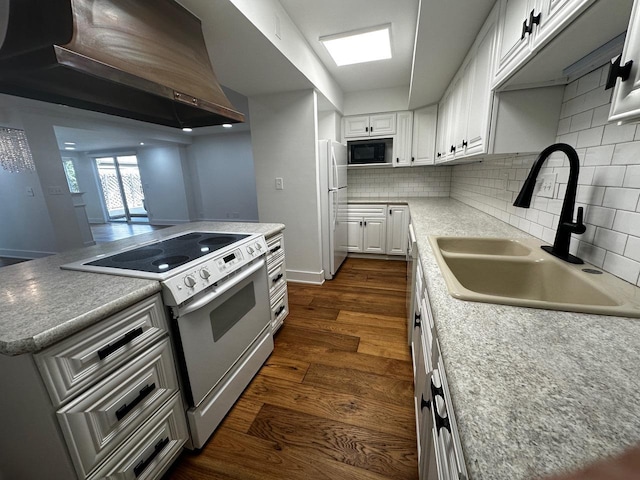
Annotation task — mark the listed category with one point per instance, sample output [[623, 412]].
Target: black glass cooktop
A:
[[168, 254]]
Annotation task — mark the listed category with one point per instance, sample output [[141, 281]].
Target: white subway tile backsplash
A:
[[621, 198], [590, 194], [626, 154], [600, 116], [614, 133], [627, 222], [581, 121], [600, 216], [600, 155], [632, 177], [622, 267], [610, 240], [609, 176], [590, 137], [588, 82], [591, 254], [564, 126], [632, 249]]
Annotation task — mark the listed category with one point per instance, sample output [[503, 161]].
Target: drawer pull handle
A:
[[278, 277], [140, 467], [126, 408], [275, 249], [280, 310], [441, 422], [416, 320], [104, 352], [424, 403]]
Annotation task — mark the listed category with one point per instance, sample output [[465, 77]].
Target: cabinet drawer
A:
[[152, 449], [72, 364], [275, 249], [102, 418], [279, 309], [277, 278], [373, 210]]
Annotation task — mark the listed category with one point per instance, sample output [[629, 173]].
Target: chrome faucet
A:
[[566, 225]]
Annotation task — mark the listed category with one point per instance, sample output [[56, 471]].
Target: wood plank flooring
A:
[[108, 232], [335, 398]]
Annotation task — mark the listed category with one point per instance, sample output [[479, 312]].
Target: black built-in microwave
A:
[[367, 152]]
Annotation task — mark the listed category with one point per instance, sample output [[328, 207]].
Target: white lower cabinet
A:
[[439, 451], [377, 228], [104, 402], [278, 293]]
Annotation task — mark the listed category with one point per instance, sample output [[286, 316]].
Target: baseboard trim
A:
[[313, 278], [377, 256]]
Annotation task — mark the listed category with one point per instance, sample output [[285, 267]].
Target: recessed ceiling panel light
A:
[[187, 129], [69, 148], [141, 143], [70, 143], [227, 125], [359, 46]]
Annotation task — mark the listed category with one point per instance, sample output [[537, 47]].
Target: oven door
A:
[[218, 326]]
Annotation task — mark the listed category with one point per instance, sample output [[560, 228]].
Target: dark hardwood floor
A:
[[108, 232], [335, 399]]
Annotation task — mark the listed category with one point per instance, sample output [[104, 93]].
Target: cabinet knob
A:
[[453, 149], [464, 144], [397, 160], [533, 20], [413, 159], [616, 70], [439, 155]]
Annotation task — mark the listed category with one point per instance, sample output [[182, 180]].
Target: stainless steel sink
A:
[[518, 272]]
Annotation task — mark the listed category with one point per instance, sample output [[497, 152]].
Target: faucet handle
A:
[[579, 227]]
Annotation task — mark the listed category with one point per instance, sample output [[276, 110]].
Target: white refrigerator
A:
[[333, 193]]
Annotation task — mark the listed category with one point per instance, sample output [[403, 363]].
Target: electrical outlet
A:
[[546, 185], [279, 183]]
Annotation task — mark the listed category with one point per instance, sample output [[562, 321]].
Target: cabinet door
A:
[[397, 229], [375, 235], [481, 95], [513, 48], [382, 124], [402, 142], [556, 15], [356, 126], [625, 106], [355, 225], [444, 110], [424, 135]]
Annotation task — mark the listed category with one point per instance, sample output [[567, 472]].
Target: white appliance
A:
[[217, 287], [333, 191]]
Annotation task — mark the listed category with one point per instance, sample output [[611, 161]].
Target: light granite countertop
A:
[[41, 304], [535, 391]]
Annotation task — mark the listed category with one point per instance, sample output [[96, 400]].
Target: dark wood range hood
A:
[[140, 59]]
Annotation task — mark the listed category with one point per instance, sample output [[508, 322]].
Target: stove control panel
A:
[[211, 269]]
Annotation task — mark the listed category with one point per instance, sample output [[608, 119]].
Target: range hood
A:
[[139, 59]]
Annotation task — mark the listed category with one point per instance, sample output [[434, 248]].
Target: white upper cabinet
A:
[[516, 19], [465, 110], [402, 141], [424, 135], [526, 26], [378, 125], [625, 106]]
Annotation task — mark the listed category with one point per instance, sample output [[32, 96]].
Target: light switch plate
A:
[[279, 183], [546, 185]]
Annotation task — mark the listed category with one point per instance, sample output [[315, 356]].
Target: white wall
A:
[[88, 183], [330, 126], [608, 185], [375, 101], [223, 177], [163, 183], [284, 139], [26, 230]]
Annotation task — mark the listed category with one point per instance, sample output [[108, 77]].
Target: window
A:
[[70, 172]]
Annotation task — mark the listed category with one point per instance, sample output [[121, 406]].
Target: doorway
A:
[[122, 188]]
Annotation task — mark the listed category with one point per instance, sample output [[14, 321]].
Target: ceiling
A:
[[248, 62]]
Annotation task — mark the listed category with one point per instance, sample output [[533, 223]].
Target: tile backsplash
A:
[[386, 182], [608, 184]]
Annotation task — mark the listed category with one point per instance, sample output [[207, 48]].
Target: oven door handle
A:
[[219, 291]]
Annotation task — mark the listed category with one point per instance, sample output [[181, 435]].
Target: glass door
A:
[[122, 188]]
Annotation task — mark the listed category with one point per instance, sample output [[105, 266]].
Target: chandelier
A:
[[15, 154]]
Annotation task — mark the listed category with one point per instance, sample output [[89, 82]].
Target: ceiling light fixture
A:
[[187, 129], [70, 143], [359, 46], [227, 125], [141, 143], [69, 148]]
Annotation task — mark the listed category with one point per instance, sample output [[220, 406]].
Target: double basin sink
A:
[[518, 272]]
